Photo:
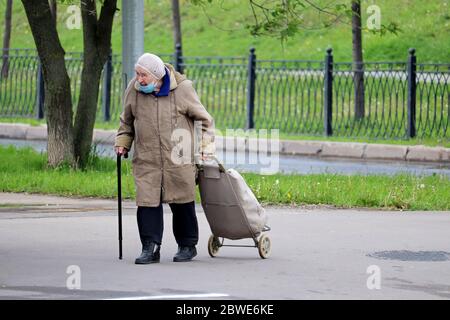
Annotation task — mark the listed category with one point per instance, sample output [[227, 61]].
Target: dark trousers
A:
[[184, 223]]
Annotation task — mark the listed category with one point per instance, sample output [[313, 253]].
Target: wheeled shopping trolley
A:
[[232, 210]]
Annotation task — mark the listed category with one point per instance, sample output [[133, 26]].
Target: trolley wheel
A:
[[264, 246], [213, 245]]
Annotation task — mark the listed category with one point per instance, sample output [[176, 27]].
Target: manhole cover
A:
[[405, 255]]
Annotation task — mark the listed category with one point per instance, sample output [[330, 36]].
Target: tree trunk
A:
[[97, 44], [53, 9], [58, 102], [86, 109], [358, 65], [6, 39]]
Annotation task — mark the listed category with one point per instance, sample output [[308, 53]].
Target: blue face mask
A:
[[148, 88]]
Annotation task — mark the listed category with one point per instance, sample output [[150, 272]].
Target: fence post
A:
[[107, 75], [40, 92], [251, 88], [412, 75], [328, 93], [178, 58]]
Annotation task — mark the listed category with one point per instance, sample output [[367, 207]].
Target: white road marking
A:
[[176, 296]]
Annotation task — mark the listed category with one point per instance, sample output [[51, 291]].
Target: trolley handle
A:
[[221, 167]]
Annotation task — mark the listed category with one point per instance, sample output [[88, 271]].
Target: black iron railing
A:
[[375, 99]]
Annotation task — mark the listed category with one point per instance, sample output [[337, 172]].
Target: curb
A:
[[348, 150]]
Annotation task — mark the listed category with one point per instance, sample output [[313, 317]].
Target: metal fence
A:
[[376, 99]]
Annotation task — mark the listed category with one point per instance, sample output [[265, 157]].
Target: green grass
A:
[[220, 30], [30, 121], [17, 205], [24, 170], [398, 192]]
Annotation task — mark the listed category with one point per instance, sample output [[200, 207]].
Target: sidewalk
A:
[[321, 253], [365, 151]]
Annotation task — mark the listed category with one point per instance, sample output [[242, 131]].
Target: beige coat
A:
[[163, 163]]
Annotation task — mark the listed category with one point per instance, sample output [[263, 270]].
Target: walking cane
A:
[[119, 198]]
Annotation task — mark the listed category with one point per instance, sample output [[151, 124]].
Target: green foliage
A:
[[219, 29], [285, 19]]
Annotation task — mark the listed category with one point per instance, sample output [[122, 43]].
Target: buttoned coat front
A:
[[162, 130]]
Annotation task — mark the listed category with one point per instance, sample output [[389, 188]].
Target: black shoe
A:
[[185, 254], [150, 253]]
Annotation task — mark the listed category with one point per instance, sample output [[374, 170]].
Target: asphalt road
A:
[[62, 248]]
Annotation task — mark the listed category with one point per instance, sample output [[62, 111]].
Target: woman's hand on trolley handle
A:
[[206, 156]]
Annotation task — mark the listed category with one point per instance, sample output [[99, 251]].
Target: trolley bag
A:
[[230, 206]]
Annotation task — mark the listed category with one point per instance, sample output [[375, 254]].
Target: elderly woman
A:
[[160, 109]]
